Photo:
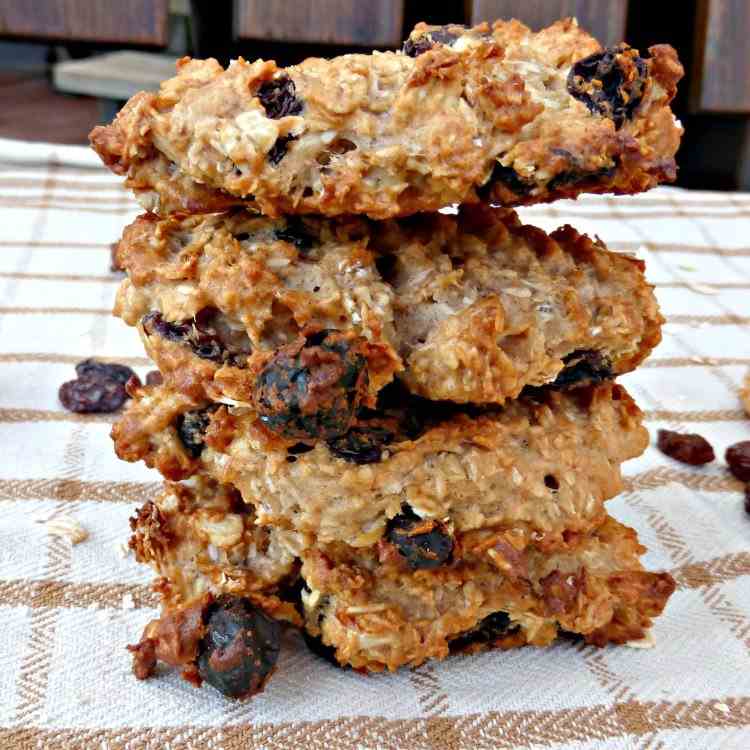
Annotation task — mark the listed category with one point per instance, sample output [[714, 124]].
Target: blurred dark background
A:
[[68, 64]]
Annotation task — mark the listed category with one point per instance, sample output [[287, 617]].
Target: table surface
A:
[[68, 611]]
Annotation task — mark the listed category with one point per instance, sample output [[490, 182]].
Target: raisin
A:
[[361, 445], [203, 335], [313, 387], [104, 370], [691, 449], [610, 83], [424, 542], [583, 366], [154, 377], [443, 36], [489, 629], [416, 47], [424, 43], [279, 98], [154, 323], [295, 233], [506, 176], [738, 458], [240, 647], [299, 448], [322, 650], [278, 150], [576, 177], [99, 387], [296, 450], [747, 499], [191, 427], [550, 481]]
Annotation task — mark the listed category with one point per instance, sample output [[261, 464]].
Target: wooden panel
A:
[[605, 19], [721, 80], [126, 21], [114, 75], [375, 22]]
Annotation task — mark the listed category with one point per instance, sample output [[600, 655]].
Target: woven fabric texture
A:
[[67, 611]]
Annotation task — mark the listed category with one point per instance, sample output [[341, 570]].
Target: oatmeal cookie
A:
[[745, 394], [469, 308], [409, 597], [498, 113], [201, 538], [499, 590], [545, 462]]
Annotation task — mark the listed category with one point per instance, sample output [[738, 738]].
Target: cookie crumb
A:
[[648, 641], [67, 527]]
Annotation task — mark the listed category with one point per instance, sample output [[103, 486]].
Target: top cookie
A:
[[495, 113]]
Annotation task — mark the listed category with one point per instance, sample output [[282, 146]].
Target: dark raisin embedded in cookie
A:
[[361, 445], [491, 628], [154, 377], [278, 150], [191, 427], [313, 387], [207, 334], [689, 448], [279, 98], [295, 233], [240, 648], [584, 366], [747, 499], [424, 542], [154, 324], [508, 177], [99, 388], [574, 177], [610, 83], [444, 35], [416, 47], [738, 459]]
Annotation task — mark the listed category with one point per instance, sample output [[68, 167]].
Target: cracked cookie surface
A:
[[469, 308], [370, 609], [547, 461], [531, 116]]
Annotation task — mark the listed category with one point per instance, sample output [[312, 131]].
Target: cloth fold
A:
[[69, 610]]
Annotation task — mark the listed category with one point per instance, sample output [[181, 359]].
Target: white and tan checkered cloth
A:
[[66, 612]]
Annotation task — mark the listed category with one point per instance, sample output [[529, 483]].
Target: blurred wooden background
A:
[[710, 35]]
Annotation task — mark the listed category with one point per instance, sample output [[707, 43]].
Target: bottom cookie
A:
[[418, 594]]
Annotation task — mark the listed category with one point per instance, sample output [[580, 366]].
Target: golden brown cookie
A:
[[545, 463], [424, 590], [469, 308], [499, 112]]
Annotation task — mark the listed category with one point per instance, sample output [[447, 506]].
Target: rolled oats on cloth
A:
[[69, 609]]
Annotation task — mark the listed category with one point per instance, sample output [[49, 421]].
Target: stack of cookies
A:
[[386, 421]]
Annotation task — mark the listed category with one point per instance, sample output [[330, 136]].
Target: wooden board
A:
[[376, 22], [721, 75], [106, 21], [115, 75], [605, 19]]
